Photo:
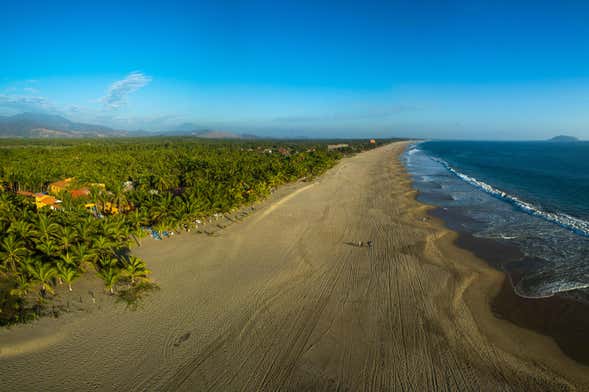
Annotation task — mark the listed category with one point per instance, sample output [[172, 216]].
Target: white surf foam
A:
[[579, 226]]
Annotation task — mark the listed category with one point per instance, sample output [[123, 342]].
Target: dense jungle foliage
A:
[[161, 183]]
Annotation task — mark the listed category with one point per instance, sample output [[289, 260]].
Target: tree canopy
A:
[[163, 183]]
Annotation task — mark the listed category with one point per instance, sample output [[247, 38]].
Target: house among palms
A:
[[67, 184], [107, 207], [60, 186], [81, 192], [41, 199]]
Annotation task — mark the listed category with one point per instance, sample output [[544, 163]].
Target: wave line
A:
[[576, 225]]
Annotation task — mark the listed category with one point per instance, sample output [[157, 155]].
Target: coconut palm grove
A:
[[70, 208]]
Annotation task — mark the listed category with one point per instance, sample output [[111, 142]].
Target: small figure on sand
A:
[[367, 243]]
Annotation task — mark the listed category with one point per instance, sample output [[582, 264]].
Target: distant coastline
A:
[[563, 139]]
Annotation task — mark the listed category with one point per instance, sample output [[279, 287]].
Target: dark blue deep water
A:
[[532, 195]]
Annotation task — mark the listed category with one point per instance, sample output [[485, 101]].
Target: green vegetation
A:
[[163, 183]]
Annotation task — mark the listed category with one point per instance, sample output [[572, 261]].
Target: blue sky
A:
[[449, 69]]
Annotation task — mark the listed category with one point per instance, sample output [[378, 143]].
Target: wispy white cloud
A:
[[26, 97], [118, 91]]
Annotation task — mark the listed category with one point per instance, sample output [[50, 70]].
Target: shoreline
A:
[[489, 296], [285, 300], [502, 307], [560, 317]]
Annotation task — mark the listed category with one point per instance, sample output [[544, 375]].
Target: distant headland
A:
[[563, 139]]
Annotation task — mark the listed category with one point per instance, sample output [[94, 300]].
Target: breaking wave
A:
[[576, 225], [559, 254]]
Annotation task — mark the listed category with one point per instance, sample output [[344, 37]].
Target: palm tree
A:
[[48, 246], [26, 262], [67, 236], [136, 218], [135, 268], [163, 182], [107, 261], [67, 273], [46, 228], [68, 259], [102, 246], [84, 230], [136, 233], [22, 286], [65, 263], [12, 250], [119, 198], [116, 230], [82, 254], [43, 273], [161, 210], [20, 228], [111, 276]]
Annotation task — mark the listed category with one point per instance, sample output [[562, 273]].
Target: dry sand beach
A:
[[284, 301]]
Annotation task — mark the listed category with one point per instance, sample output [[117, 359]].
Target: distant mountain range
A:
[[48, 125], [39, 125]]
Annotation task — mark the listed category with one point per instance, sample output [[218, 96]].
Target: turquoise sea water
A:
[[533, 195]]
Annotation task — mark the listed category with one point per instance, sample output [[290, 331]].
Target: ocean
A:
[[530, 195]]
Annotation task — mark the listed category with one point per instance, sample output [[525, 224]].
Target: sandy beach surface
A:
[[284, 300]]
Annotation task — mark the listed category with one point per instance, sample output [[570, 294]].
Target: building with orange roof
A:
[[60, 186], [43, 200], [81, 192]]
